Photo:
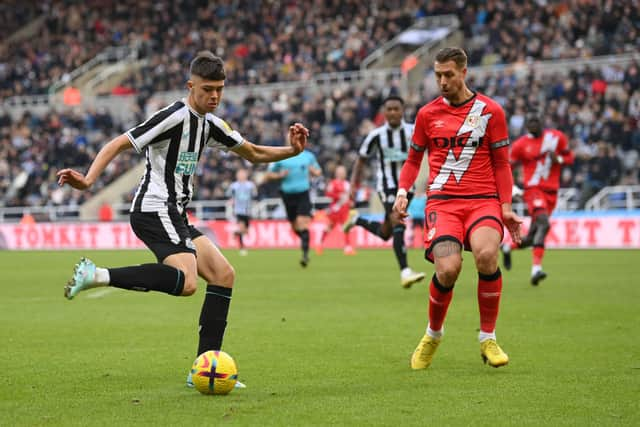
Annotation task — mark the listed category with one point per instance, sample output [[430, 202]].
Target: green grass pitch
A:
[[328, 345]]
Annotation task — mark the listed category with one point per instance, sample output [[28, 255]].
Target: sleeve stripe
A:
[[502, 143], [417, 147]]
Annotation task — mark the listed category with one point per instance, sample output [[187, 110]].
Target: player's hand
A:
[[298, 135], [400, 207], [74, 178], [512, 221]]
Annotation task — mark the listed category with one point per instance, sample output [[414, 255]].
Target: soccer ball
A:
[[214, 372]]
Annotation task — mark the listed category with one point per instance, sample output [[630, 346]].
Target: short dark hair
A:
[[208, 66], [393, 98], [454, 54]]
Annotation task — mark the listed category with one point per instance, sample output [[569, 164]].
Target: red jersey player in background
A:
[[468, 199], [542, 153], [339, 191]]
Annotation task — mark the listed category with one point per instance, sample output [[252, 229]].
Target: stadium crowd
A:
[[264, 42], [261, 42], [598, 108]]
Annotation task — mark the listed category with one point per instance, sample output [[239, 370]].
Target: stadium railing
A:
[[620, 197], [625, 197]]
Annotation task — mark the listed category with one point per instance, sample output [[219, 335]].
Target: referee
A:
[[295, 174]]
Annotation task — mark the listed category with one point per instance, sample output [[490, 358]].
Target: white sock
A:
[[483, 336], [102, 277], [506, 248], [435, 334], [535, 269], [405, 272]]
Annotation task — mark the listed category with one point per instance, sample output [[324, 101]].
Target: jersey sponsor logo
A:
[[473, 129], [456, 141], [186, 164]]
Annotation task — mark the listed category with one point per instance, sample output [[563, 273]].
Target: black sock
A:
[[148, 277], [304, 241], [213, 318], [372, 226], [399, 246], [240, 240]]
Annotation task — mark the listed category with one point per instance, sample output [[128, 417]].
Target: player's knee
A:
[[226, 276], [486, 258], [448, 272], [190, 284]]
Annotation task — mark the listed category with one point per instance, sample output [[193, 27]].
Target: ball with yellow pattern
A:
[[214, 372]]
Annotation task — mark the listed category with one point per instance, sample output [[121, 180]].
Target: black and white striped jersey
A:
[[173, 139], [242, 193], [390, 148]]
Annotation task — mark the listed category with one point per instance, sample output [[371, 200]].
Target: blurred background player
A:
[[339, 191], [542, 153], [468, 199], [241, 193], [388, 146], [295, 175]]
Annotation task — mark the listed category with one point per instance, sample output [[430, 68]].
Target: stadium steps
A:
[[27, 32], [422, 41], [112, 193]]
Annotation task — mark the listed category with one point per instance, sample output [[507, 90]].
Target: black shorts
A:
[[388, 198], [165, 233], [244, 219], [297, 204]]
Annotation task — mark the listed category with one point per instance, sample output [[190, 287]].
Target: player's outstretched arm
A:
[[297, 140], [81, 182]]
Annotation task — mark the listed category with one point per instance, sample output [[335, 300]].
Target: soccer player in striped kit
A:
[[172, 141], [242, 191], [387, 146], [468, 199]]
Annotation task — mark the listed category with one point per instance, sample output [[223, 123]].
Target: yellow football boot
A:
[[423, 354], [492, 353]]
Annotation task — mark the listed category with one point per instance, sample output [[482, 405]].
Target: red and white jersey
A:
[[536, 156], [338, 191], [459, 140]]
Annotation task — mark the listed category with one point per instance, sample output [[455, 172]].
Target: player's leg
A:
[[243, 228], [395, 225], [446, 255], [532, 198], [219, 275], [375, 227], [443, 236], [165, 233], [302, 202], [484, 240], [542, 229], [302, 226]]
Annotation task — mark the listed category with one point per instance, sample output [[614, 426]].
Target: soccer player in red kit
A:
[[542, 153], [338, 190], [468, 199]]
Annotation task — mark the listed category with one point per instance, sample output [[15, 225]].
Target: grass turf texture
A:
[[328, 345]]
